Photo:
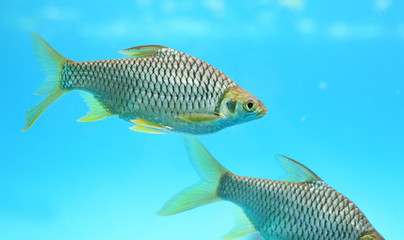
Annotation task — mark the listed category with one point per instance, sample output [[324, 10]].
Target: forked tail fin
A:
[[51, 63], [203, 192]]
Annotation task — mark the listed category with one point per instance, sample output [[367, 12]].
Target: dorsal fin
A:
[[141, 51], [297, 172]]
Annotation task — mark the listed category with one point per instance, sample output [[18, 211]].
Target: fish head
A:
[[372, 235], [241, 106]]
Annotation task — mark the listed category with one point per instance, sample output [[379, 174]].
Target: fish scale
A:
[[181, 78], [285, 210]]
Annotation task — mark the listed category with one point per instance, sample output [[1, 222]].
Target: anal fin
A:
[[97, 110], [243, 226]]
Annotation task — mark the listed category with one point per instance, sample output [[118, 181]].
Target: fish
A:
[[301, 206], [158, 89]]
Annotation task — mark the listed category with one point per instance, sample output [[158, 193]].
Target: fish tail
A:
[[52, 64], [204, 192]]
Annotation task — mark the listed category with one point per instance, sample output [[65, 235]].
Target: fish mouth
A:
[[262, 113]]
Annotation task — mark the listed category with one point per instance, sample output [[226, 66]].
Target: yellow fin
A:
[[141, 51], [297, 172], [198, 117], [243, 226], [148, 124], [203, 192], [145, 130], [97, 110], [52, 64], [37, 110]]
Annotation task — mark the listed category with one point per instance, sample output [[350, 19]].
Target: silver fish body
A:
[[157, 88], [295, 211]]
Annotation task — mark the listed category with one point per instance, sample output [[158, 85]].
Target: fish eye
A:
[[249, 105]]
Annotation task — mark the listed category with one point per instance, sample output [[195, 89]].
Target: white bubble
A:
[[55, 13], [306, 26], [293, 4], [217, 6], [381, 5], [351, 31], [339, 30], [322, 85]]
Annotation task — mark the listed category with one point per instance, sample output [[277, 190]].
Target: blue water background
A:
[[330, 72]]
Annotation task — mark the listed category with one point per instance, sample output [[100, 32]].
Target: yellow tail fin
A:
[[51, 63], [203, 192]]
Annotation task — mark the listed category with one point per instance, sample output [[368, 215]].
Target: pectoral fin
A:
[[198, 117], [97, 109], [141, 51], [142, 129], [243, 226]]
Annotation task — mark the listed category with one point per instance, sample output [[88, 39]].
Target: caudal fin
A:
[[51, 63], [203, 192]]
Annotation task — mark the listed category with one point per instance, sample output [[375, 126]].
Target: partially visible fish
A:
[[157, 88], [303, 207]]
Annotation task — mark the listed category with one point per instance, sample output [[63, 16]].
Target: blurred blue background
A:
[[330, 72]]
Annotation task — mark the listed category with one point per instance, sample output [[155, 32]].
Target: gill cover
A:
[[238, 104]]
